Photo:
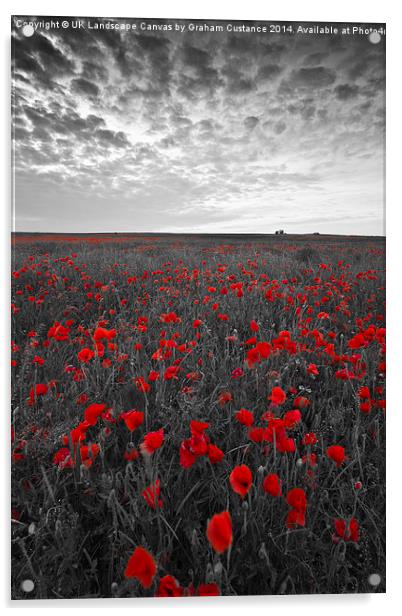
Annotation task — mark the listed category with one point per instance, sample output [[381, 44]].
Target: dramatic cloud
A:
[[345, 91], [154, 129], [250, 122], [316, 77], [83, 86]]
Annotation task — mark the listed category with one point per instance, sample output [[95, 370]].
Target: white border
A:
[[380, 11]]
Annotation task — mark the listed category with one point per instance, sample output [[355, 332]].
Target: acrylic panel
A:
[[198, 308]]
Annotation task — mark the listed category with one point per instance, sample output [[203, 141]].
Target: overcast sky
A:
[[204, 132]]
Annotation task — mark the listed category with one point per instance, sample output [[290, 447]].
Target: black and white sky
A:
[[197, 131]]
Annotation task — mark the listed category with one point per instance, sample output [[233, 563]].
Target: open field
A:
[[159, 380]]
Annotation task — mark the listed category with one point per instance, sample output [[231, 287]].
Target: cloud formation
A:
[[122, 130]]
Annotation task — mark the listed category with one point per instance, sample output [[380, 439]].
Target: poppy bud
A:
[[107, 481], [209, 573], [84, 473], [111, 498], [194, 538]]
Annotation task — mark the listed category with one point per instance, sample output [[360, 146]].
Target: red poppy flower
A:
[[62, 458], [133, 419], [272, 485], [245, 417], [364, 393], [82, 399], [276, 430], [171, 373], [311, 459], [169, 587], [58, 332], [254, 326], [93, 412], [152, 441], [40, 389], [250, 341], [219, 531], [353, 534], [77, 434], [295, 518], [337, 454], [291, 418], [296, 498], [85, 355], [241, 479], [237, 373], [208, 590], [357, 342], [141, 566], [215, 454], [187, 455], [199, 443], [310, 439], [285, 445], [131, 455], [264, 349], [277, 396], [344, 374], [224, 397], [312, 369], [365, 406], [340, 527], [198, 427], [88, 453], [348, 532], [253, 357], [142, 385], [196, 446], [193, 376], [151, 495], [258, 435], [301, 402], [100, 333], [170, 317], [17, 455], [381, 404]]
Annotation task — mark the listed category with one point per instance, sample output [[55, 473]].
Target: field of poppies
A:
[[197, 415]]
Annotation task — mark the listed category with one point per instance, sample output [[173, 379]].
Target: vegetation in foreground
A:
[[196, 417]]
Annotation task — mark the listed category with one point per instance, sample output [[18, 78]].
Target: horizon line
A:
[[315, 233]]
